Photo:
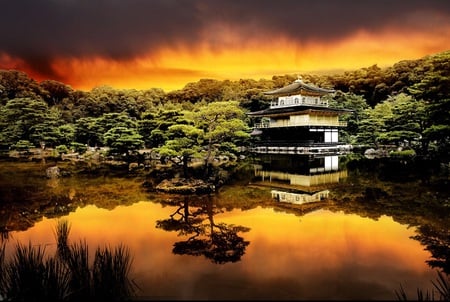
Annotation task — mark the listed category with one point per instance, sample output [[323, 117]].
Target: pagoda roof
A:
[[299, 87], [299, 109]]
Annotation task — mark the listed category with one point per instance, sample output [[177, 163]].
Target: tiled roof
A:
[[299, 87], [296, 109]]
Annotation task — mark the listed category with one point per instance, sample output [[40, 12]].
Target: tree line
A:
[[406, 104]]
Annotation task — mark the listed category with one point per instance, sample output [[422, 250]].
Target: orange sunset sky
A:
[[166, 44]]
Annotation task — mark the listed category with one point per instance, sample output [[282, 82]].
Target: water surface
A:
[[262, 249]]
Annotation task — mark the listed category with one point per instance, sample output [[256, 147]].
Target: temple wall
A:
[[313, 120], [305, 120], [280, 123]]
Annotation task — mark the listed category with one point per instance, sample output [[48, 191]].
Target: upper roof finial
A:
[[299, 78]]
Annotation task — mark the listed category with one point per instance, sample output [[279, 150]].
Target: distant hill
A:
[[373, 82]]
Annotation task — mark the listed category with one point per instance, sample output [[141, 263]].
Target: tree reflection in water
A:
[[415, 196], [413, 192], [437, 242], [218, 242]]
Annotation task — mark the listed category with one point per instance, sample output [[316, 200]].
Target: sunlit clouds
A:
[[167, 44], [172, 68]]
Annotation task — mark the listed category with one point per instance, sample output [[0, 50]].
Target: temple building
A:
[[298, 121]]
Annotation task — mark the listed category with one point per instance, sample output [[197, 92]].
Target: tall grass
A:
[[2, 269], [442, 285], [67, 276], [77, 261], [61, 233], [110, 273], [440, 292], [26, 275]]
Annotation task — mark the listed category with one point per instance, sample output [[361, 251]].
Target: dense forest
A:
[[407, 105]]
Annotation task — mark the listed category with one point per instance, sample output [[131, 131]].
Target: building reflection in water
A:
[[298, 179]]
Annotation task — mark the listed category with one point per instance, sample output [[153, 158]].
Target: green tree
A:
[[223, 126], [54, 92], [146, 125], [358, 105], [211, 129], [434, 88], [400, 120], [66, 134], [47, 133], [28, 119], [155, 123], [123, 140], [373, 124], [184, 144], [89, 131], [22, 145], [78, 147], [17, 84], [111, 120], [407, 122], [440, 136]]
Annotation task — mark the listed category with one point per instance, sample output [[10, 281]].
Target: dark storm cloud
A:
[[93, 27], [36, 31], [328, 20]]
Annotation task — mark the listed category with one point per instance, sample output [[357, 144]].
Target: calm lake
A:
[[285, 227]]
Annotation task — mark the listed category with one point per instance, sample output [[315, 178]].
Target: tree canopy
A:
[[406, 103], [211, 129]]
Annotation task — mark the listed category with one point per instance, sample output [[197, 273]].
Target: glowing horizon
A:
[[210, 39], [172, 69]]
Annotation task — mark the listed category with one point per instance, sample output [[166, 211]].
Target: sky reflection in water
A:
[[321, 255]]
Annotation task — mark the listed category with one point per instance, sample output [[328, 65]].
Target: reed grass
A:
[[77, 260], [24, 274], [2, 270], [440, 292], [31, 275], [61, 232], [56, 280], [442, 285], [110, 273], [4, 235]]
